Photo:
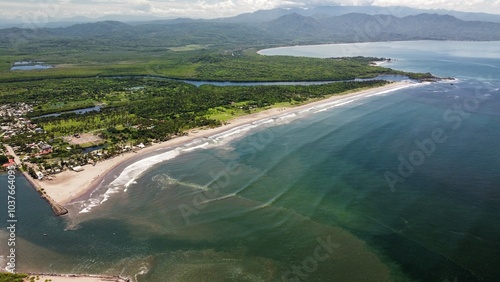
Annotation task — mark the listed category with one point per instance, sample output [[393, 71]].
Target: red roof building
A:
[[10, 163]]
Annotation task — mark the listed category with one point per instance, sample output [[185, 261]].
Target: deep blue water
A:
[[402, 186]]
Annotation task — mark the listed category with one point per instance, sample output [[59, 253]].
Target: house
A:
[[45, 147], [10, 163], [39, 175], [77, 168]]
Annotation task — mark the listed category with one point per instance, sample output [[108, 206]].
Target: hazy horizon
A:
[[39, 14]]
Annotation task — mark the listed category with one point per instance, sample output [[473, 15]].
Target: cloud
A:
[[213, 9], [57, 9], [486, 6], [143, 6]]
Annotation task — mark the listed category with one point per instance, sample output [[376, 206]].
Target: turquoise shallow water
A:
[[307, 199]]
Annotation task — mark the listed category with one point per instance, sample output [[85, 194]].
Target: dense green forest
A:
[[157, 108], [213, 64]]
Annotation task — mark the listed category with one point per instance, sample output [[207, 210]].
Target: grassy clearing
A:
[[190, 47], [91, 144]]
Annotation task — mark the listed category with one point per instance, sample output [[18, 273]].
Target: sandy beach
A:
[[69, 185]]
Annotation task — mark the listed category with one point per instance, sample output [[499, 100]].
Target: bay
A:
[[308, 199]]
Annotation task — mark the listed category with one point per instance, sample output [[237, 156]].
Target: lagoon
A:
[[274, 83], [77, 111], [198, 83], [26, 65]]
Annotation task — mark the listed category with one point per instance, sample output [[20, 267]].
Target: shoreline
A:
[[57, 208], [69, 185], [53, 277]]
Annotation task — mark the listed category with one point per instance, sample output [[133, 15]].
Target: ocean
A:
[[400, 186]]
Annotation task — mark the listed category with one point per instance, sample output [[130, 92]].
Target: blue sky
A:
[[49, 10]]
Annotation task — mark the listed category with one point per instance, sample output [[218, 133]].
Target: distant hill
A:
[[356, 27], [396, 11], [291, 28], [94, 29], [267, 15]]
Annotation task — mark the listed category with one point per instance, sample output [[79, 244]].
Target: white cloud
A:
[[143, 5], [56, 9], [488, 6]]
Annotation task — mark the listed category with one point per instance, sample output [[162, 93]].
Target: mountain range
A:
[[396, 11], [268, 15], [356, 27], [278, 26]]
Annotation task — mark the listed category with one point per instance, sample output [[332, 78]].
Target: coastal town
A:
[[27, 146], [42, 158]]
